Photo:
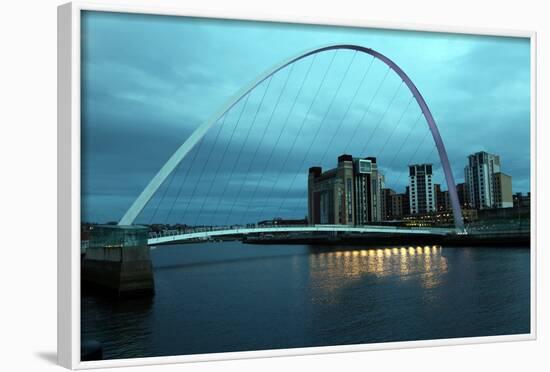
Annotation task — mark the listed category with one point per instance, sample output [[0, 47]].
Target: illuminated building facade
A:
[[438, 218]]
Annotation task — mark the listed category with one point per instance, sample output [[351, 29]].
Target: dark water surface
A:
[[220, 297]]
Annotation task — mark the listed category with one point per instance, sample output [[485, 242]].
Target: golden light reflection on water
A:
[[331, 271]]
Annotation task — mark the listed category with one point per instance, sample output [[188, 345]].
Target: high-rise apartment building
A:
[[421, 189], [487, 186]]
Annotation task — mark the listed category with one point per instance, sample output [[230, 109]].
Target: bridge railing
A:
[[192, 230], [500, 226]]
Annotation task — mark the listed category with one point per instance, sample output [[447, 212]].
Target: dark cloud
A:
[[149, 81]]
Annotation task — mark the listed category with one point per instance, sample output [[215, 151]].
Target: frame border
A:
[[68, 178]]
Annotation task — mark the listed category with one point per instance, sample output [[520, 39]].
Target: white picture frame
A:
[[69, 185]]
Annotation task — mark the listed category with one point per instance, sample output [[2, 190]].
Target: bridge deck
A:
[[177, 237]]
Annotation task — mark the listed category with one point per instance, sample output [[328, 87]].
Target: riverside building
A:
[[348, 194], [487, 186], [421, 189]]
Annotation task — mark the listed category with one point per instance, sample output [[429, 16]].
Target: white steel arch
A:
[[201, 131]]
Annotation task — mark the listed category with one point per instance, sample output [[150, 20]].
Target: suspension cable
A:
[[161, 199], [420, 144], [331, 103], [367, 110], [298, 134], [235, 163], [413, 126], [351, 101], [220, 126], [402, 146], [266, 128], [395, 127], [381, 118], [195, 154], [286, 121], [220, 162]]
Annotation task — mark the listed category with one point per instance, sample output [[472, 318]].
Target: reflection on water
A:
[[333, 270], [220, 297]]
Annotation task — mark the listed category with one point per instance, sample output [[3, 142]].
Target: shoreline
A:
[[447, 241]]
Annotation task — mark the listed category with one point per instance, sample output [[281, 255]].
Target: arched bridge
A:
[[218, 232], [168, 168]]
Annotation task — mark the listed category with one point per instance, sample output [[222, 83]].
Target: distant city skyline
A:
[[149, 81], [442, 182]]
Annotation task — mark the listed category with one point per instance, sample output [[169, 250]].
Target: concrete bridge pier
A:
[[117, 261]]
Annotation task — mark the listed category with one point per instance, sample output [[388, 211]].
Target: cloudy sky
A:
[[149, 81]]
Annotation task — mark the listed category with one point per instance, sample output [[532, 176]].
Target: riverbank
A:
[[486, 239]]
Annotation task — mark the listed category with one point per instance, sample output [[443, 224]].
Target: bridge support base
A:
[[117, 261]]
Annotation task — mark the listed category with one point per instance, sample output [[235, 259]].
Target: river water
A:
[[220, 297]]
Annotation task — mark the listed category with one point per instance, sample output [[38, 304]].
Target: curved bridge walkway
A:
[[206, 233]]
